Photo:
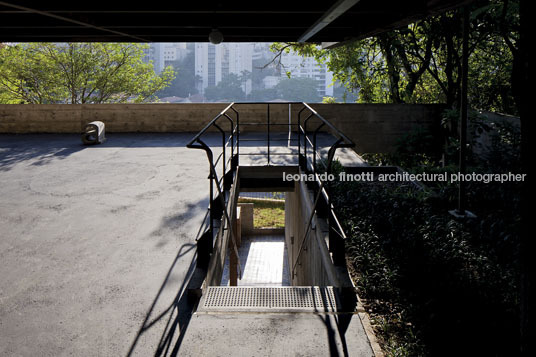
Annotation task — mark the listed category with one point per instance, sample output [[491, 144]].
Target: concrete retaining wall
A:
[[374, 127], [483, 142], [315, 266], [246, 218]]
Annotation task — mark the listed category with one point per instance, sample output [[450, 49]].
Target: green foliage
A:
[[298, 90], [329, 100], [185, 81], [263, 95], [28, 75], [417, 267], [78, 73], [229, 88], [267, 214], [427, 278], [491, 68], [421, 63]]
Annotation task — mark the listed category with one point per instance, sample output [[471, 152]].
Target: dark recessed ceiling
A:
[[178, 21]]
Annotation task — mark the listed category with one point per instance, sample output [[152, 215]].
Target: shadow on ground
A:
[[177, 315], [38, 151], [41, 149]]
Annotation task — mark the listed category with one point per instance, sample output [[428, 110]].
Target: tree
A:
[[421, 63], [263, 95], [298, 90], [78, 73], [229, 88], [386, 68], [260, 71], [245, 77], [498, 55], [184, 83]]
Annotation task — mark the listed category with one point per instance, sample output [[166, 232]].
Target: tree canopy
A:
[[184, 83], [421, 63], [298, 89], [289, 89], [229, 88], [78, 73]]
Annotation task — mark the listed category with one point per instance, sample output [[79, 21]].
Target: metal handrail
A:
[[198, 143], [331, 154], [342, 141], [339, 133], [210, 123]]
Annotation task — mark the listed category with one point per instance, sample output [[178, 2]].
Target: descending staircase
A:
[[313, 236]]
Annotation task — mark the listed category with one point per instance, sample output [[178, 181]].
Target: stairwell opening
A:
[[258, 154], [262, 251], [284, 267]]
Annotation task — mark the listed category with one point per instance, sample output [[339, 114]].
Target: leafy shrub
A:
[[435, 285], [428, 278]]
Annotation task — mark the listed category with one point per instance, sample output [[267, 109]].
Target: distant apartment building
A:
[[298, 66], [214, 62], [163, 53], [261, 51], [308, 67]]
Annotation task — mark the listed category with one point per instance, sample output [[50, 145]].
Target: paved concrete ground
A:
[[92, 237], [275, 334], [282, 143], [96, 243]]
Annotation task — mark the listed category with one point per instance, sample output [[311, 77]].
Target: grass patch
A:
[[267, 214]]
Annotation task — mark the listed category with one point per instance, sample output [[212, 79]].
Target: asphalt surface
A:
[[96, 242], [275, 334]]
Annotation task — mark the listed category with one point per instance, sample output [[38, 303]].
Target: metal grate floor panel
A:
[[274, 299]]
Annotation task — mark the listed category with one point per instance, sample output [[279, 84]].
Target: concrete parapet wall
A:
[[118, 118], [373, 127], [28, 118]]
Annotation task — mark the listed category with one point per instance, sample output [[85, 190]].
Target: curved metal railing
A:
[[308, 158]]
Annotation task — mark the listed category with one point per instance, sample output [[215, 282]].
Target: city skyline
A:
[[248, 62]]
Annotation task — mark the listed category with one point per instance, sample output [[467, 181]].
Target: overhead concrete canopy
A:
[[178, 21]]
